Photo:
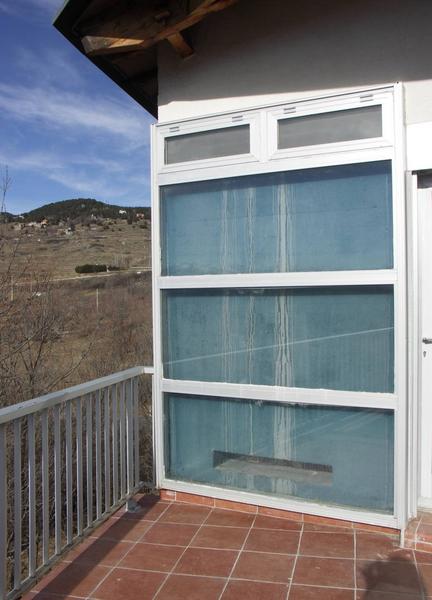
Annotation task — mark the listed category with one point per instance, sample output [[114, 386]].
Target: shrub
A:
[[87, 268]]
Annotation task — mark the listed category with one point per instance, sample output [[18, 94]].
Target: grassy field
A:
[[94, 324], [54, 251]]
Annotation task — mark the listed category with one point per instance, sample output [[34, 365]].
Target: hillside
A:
[[83, 208]]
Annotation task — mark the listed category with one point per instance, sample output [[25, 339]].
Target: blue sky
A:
[[66, 130]]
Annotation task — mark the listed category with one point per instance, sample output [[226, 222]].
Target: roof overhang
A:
[[120, 37]]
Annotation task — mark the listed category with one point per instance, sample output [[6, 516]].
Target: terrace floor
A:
[[174, 551]]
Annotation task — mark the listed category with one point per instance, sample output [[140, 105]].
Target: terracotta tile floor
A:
[[172, 551]]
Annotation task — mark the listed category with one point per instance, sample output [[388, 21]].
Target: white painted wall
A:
[[263, 51]]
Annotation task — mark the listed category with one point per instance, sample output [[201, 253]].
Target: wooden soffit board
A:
[[120, 36]]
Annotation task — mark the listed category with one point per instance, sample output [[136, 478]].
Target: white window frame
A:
[[299, 109], [253, 119], [389, 147]]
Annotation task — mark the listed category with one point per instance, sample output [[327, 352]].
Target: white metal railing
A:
[[67, 460]]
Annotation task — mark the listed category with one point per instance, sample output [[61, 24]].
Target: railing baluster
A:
[[45, 487], [17, 512], [122, 441], [3, 514], [57, 479], [115, 454], [79, 466], [136, 432], [89, 451], [69, 463], [98, 457], [31, 494], [107, 449], [129, 436], [112, 471]]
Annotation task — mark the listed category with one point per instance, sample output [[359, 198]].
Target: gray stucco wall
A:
[[264, 51]]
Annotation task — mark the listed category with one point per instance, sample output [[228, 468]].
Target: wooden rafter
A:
[[138, 28], [180, 45]]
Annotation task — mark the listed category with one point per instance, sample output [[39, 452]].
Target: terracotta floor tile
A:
[[213, 563], [266, 540], [424, 531], [185, 513], [253, 590], [185, 587], [264, 522], [52, 574], [300, 592], [230, 518], [126, 530], [425, 572], [375, 545], [42, 596], [73, 579], [423, 557], [238, 506], [388, 576], [368, 528], [99, 552], [327, 521], [170, 533], [316, 543], [147, 499], [264, 566], [126, 584], [280, 513], [228, 538], [374, 595], [148, 512], [425, 517], [152, 557], [327, 528], [330, 572]]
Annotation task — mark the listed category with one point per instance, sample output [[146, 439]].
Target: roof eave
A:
[[65, 22]]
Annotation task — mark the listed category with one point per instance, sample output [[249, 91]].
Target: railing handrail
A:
[[22, 409]]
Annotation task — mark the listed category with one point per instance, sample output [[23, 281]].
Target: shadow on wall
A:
[[277, 46], [397, 577]]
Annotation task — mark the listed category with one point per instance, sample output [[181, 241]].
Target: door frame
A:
[[421, 467]]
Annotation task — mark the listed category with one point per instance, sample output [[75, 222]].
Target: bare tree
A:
[[6, 182]]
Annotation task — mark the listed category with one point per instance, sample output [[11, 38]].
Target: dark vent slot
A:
[[293, 470]]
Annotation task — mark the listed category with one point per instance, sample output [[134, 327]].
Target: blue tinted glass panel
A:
[[333, 338], [325, 219], [331, 455]]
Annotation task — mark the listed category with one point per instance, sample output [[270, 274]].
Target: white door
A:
[[425, 359]]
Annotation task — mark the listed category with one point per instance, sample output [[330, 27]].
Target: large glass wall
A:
[[338, 338], [326, 219], [335, 455], [282, 277]]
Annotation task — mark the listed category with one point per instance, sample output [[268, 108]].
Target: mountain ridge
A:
[[80, 208]]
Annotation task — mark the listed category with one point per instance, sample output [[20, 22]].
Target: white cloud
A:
[[47, 67], [8, 8], [45, 4], [73, 111], [85, 174], [26, 7]]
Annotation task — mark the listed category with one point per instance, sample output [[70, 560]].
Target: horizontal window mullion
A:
[[233, 167], [265, 280], [267, 393]]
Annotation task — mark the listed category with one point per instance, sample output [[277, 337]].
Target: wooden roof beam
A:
[[138, 28], [180, 45]]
